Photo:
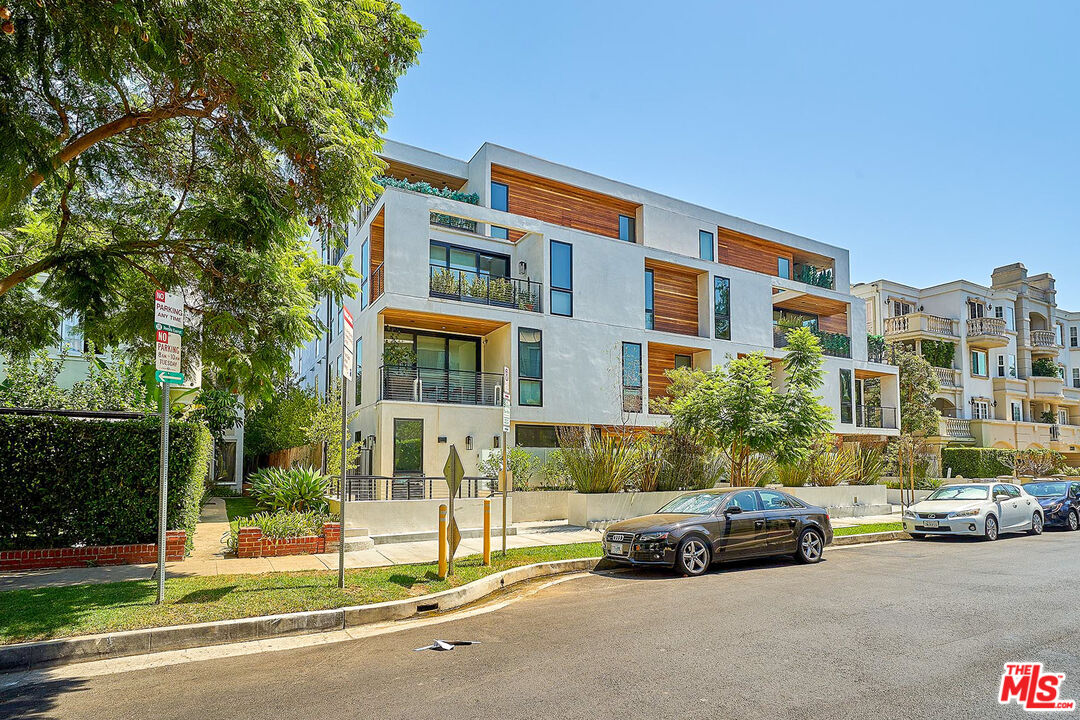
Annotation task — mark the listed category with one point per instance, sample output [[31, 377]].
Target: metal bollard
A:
[[487, 531], [442, 541]]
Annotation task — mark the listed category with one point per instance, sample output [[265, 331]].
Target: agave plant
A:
[[301, 489], [598, 464]]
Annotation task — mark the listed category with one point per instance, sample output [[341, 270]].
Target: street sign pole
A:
[[505, 433], [348, 365], [163, 491]]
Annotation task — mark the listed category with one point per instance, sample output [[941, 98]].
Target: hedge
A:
[[66, 481], [975, 462]]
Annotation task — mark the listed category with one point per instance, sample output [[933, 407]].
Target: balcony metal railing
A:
[[874, 416], [834, 344], [377, 487], [920, 322], [948, 377], [371, 288], [986, 326], [454, 222], [1045, 339], [437, 385], [475, 287]]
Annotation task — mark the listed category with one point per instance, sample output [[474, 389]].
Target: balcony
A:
[[985, 332], [437, 385], [473, 287], [920, 324], [948, 378], [956, 429], [834, 344], [872, 416], [1045, 342]]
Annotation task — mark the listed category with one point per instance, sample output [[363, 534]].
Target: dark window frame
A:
[[446, 336], [650, 302], [847, 412], [395, 442], [727, 316], [491, 190], [631, 228], [568, 291], [466, 248], [554, 429], [538, 379], [640, 387], [711, 245]]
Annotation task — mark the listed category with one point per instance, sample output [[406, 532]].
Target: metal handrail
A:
[[478, 287], [439, 385], [410, 487]]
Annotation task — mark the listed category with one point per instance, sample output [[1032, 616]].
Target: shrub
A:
[[939, 353], [674, 461], [603, 464], [428, 189], [869, 465], [522, 465], [1044, 367], [292, 490], [976, 462], [65, 481], [280, 525], [826, 466]]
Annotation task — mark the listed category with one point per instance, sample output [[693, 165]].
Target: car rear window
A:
[[966, 492]]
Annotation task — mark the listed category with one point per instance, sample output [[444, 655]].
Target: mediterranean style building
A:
[[588, 290], [1006, 357]]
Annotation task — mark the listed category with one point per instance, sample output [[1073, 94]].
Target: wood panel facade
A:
[[562, 204], [661, 359], [748, 252], [675, 298]]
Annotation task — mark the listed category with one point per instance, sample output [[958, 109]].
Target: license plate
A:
[[930, 523], [618, 549]]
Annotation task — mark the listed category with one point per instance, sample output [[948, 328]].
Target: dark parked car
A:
[[1060, 500], [699, 528]]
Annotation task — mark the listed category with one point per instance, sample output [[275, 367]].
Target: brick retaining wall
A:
[[12, 560], [250, 543]]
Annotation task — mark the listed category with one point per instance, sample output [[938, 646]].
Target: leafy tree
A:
[[521, 463], [325, 430], [182, 144], [281, 422], [737, 409], [31, 382], [918, 383], [219, 410]]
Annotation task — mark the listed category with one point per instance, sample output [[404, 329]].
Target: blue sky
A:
[[934, 141]]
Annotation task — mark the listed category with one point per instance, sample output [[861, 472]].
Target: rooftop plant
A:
[[428, 189]]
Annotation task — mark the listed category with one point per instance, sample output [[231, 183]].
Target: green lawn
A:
[[83, 609], [871, 528], [240, 507]]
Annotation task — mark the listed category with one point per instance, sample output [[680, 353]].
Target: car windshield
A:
[[1047, 489], [694, 504], [960, 492]]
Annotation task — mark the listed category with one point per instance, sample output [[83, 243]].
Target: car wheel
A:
[[810, 546], [990, 532], [1036, 524], [693, 557], [1074, 520]]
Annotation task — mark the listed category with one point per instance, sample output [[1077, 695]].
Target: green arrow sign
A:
[[170, 377]]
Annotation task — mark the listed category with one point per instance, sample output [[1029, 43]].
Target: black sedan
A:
[[699, 528], [1060, 500]]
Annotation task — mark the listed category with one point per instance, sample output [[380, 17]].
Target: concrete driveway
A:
[[897, 630]]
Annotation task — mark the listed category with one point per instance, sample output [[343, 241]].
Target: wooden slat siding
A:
[[660, 361], [412, 173], [377, 232], [833, 323], [561, 204], [440, 323], [515, 235], [675, 299], [748, 252]]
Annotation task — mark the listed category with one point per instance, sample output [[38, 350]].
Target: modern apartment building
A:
[[1012, 378], [587, 289]]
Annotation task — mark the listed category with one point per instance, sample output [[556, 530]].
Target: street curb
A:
[[86, 648], [864, 538]]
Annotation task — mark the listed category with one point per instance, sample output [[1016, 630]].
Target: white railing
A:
[[920, 322], [957, 427], [947, 377], [986, 326], [1044, 338]]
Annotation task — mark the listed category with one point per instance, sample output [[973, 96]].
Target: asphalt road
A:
[[900, 630]]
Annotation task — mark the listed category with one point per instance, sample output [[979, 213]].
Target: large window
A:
[[408, 447], [631, 377], [705, 245], [722, 307], [500, 200], [469, 262], [359, 372], [1076, 377], [536, 436], [845, 396], [649, 314], [627, 228], [1014, 409], [530, 367], [684, 361], [978, 363], [562, 278], [1072, 337], [783, 267]]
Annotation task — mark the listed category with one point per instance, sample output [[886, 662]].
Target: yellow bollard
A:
[[487, 531], [442, 541]]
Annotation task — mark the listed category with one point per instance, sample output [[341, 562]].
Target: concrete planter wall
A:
[[540, 505], [391, 517], [584, 508], [920, 495]]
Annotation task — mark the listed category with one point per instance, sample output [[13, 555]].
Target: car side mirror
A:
[[732, 510], [1001, 496]]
